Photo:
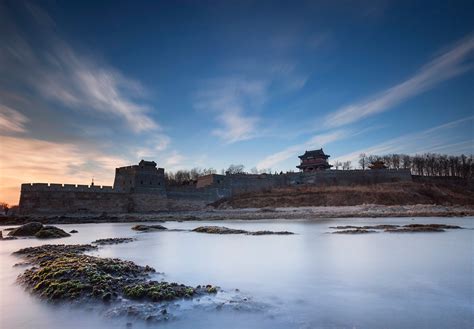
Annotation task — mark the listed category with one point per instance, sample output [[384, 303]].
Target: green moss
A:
[[212, 290], [158, 291], [64, 273]]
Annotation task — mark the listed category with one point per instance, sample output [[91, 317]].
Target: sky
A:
[[88, 86]]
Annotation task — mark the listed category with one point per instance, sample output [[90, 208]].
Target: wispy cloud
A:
[[175, 161], [315, 142], [446, 66], [49, 65], [44, 80], [11, 120], [449, 138], [233, 102]]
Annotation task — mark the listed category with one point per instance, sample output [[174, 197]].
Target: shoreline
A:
[[289, 213]]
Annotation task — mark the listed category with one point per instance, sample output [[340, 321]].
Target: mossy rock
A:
[[28, 229], [149, 228], [51, 232], [218, 230], [112, 241], [62, 272]]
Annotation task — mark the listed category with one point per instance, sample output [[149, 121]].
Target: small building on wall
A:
[[314, 160], [379, 164], [142, 178]]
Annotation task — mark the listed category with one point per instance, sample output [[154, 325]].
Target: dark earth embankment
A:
[[420, 191]]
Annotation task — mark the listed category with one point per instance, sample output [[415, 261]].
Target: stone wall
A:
[[241, 183], [349, 177], [67, 198], [143, 203], [46, 198], [58, 199], [205, 195]]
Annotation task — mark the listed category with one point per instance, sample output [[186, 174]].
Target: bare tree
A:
[[346, 165], [363, 160], [235, 169], [4, 207], [337, 164], [430, 164], [209, 171]]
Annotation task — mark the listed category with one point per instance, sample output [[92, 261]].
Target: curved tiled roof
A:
[[314, 154]]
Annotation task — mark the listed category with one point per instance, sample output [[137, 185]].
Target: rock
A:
[[28, 229], [367, 227], [107, 297], [73, 231], [63, 272], [354, 231], [414, 228], [226, 230], [51, 232], [112, 241], [270, 233], [442, 226], [346, 227], [218, 230], [349, 229], [149, 228], [381, 227]]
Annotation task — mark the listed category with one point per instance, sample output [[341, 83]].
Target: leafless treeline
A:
[[184, 177], [428, 164], [187, 177]]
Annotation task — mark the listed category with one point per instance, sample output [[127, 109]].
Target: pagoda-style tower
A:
[[313, 161]]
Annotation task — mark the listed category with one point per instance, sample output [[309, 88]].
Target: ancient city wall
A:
[[206, 194], [45, 187], [349, 177], [242, 183], [143, 203], [68, 198], [59, 200]]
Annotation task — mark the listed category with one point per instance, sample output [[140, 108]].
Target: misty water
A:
[[308, 280]]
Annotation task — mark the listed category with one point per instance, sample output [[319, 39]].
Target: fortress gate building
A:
[[313, 161]]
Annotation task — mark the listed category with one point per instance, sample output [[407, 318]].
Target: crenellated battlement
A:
[[52, 187]]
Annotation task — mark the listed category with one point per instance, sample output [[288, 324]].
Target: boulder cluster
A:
[[226, 230], [413, 228], [38, 230]]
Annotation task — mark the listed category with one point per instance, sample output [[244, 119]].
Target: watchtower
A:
[[142, 178], [313, 160]]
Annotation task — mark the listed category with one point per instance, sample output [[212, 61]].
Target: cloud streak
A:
[[231, 100], [12, 120], [444, 138], [446, 66], [315, 142], [47, 64]]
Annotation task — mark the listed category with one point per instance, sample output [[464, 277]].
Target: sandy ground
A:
[[315, 213]]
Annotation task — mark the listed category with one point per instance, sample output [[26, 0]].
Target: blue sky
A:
[[88, 86]]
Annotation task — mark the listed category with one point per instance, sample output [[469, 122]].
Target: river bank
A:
[[316, 213]]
